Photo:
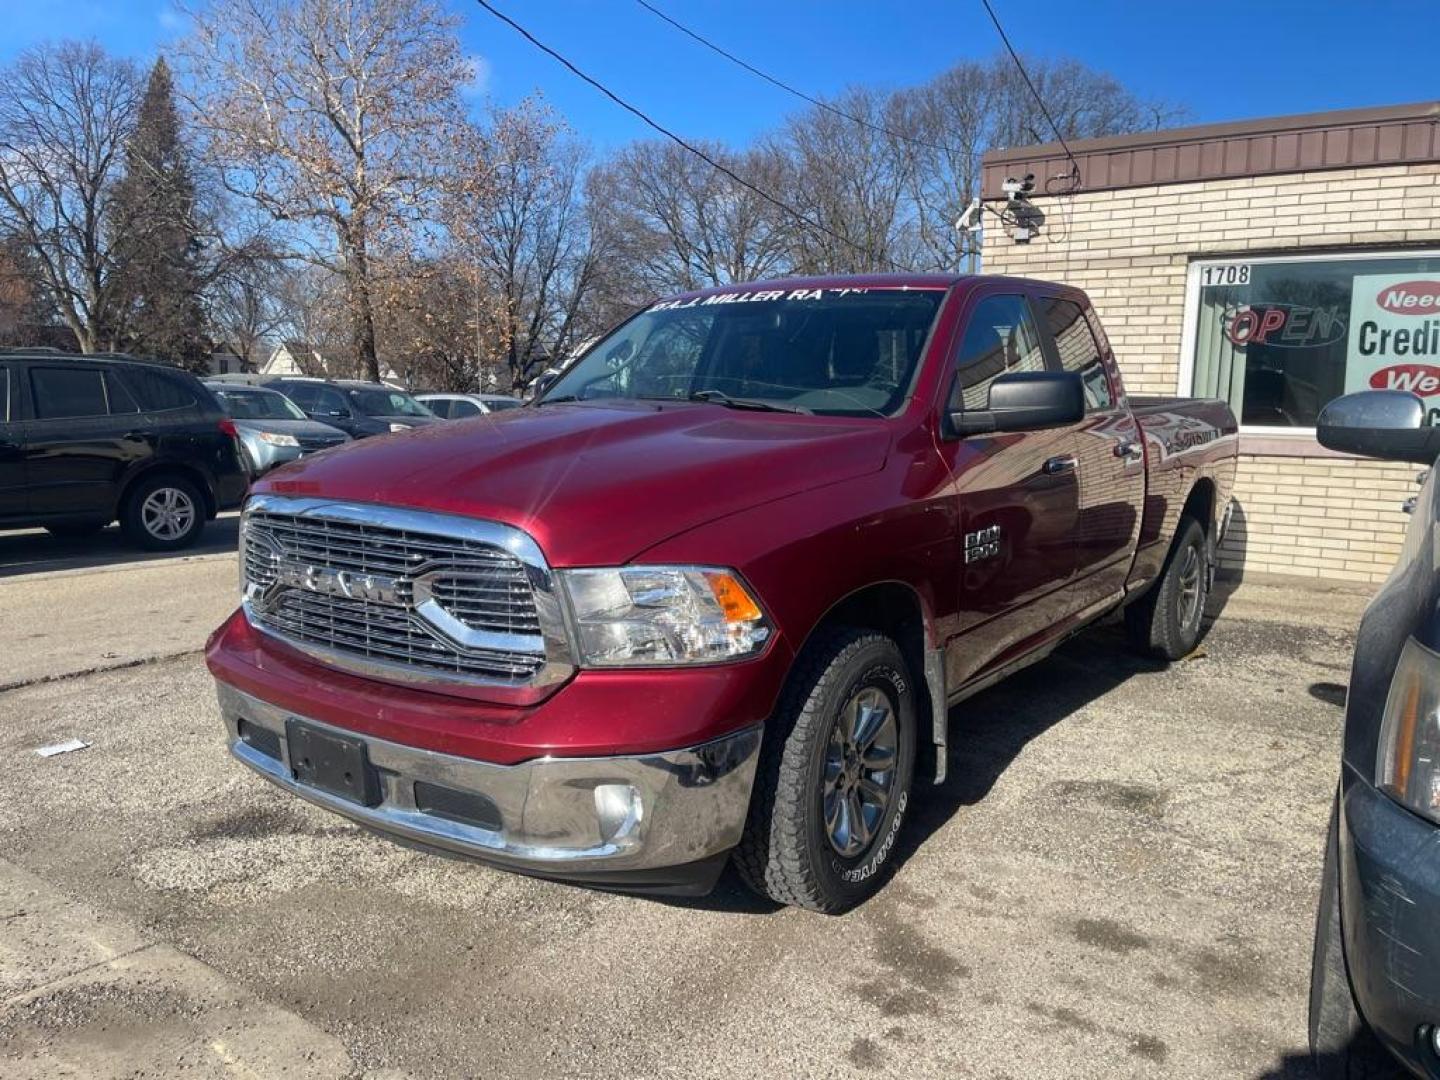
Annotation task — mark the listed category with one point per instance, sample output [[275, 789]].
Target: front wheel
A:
[[834, 777]]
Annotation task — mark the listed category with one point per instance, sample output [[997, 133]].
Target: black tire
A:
[[787, 852], [143, 530], [1342, 1045], [75, 530], [1166, 621]]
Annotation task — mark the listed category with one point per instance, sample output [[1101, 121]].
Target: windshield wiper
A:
[[719, 397]]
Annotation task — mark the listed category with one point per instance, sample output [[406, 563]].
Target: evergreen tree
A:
[[155, 211]]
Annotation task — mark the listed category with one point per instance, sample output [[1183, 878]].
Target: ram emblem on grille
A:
[[328, 581]]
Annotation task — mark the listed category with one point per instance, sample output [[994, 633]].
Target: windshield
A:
[[387, 403], [258, 405], [839, 352]]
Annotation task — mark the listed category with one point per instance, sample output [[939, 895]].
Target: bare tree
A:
[[246, 307], [532, 253], [65, 113], [675, 222], [341, 120]]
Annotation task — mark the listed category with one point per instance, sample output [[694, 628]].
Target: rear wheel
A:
[[1166, 621], [165, 513], [834, 776], [1344, 1048]]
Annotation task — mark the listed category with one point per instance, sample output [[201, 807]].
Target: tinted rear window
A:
[[161, 391], [68, 393]]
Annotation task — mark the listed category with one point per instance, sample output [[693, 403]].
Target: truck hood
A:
[[596, 483]]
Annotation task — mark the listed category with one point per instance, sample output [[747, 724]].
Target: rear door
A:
[[1017, 510], [83, 433], [12, 458], [1110, 465]]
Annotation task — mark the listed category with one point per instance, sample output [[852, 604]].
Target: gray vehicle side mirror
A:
[[1024, 401], [1387, 424]]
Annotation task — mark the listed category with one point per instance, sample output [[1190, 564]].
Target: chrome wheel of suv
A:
[[168, 513], [859, 770]]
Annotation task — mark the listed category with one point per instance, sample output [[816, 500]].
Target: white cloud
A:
[[478, 84]]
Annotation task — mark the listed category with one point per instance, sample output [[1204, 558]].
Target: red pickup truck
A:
[[714, 595]]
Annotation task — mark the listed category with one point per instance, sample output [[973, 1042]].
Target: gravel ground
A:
[[1118, 881]]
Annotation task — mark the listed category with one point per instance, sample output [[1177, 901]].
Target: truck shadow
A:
[[987, 733]]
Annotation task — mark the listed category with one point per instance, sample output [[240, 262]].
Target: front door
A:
[[1017, 500], [1110, 463]]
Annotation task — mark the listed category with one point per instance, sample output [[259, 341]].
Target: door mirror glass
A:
[[1025, 401], [1387, 424]]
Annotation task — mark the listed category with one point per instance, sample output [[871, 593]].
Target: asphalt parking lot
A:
[[1118, 880]]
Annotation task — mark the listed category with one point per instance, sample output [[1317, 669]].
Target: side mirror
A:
[[1024, 401], [1387, 424]]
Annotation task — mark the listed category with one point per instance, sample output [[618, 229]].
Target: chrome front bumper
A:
[[618, 821]]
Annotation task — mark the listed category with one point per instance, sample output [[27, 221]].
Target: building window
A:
[[1280, 337]]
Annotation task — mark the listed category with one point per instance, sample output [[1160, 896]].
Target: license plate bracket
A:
[[335, 764]]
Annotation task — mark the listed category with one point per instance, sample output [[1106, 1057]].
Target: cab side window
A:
[[68, 393], [1001, 337], [1078, 350]]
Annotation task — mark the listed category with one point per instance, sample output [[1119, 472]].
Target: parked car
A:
[[715, 593], [271, 428], [85, 440], [459, 406], [1375, 977], [356, 408]]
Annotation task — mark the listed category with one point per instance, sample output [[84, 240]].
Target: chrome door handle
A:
[[1130, 451], [1057, 465]]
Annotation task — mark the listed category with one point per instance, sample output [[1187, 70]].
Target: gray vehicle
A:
[[1375, 979], [459, 406], [270, 428]]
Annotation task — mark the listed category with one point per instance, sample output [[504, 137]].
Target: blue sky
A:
[[1224, 59]]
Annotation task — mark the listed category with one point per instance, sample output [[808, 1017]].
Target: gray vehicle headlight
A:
[[647, 616], [278, 438], [1408, 762]]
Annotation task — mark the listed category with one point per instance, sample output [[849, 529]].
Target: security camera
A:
[[1017, 190]]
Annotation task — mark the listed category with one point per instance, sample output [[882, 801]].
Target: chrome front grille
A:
[[402, 594], [389, 635]]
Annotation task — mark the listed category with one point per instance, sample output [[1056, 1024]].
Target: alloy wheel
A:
[[860, 762], [167, 513]]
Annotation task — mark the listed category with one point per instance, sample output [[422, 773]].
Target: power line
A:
[[1074, 165], [819, 103], [646, 119]]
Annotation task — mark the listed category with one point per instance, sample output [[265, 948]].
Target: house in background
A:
[[225, 359], [292, 357]]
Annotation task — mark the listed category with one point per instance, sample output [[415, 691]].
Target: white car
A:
[[460, 406]]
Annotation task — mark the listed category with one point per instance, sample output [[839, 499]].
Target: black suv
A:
[[356, 408], [85, 440]]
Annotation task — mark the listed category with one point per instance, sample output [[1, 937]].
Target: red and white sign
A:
[[1394, 340]]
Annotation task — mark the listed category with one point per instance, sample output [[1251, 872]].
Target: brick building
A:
[[1275, 263]]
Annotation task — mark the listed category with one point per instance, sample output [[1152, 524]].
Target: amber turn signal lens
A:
[[734, 601]]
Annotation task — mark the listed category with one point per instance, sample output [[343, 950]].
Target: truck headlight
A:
[[1408, 764], [275, 438], [640, 616]]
